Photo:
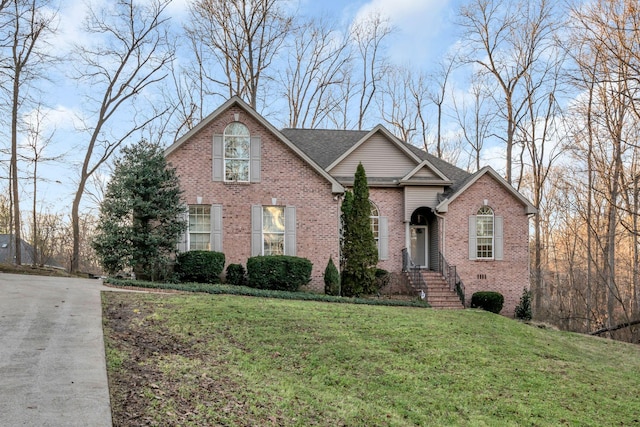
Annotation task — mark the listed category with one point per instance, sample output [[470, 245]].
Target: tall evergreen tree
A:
[[359, 250], [141, 215]]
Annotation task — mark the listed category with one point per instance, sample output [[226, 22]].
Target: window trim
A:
[[283, 233], [485, 212], [374, 221], [246, 160], [202, 214]]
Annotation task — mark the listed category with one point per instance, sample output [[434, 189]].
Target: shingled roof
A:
[[324, 146]]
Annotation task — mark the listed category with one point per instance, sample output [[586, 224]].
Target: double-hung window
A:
[[273, 229], [199, 228]]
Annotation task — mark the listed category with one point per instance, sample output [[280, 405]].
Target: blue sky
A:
[[424, 31]]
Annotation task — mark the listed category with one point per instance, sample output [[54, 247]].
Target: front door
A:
[[419, 245]]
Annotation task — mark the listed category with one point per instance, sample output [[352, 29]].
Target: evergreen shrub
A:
[[200, 266], [331, 279], [236, 275], [278, 272], [488, 301], [523, 309]]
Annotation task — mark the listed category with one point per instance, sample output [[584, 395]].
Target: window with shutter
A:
[[199, 227], [379, 228], [237, 152], [273, 230]]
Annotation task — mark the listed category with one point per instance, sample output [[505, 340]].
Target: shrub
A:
[[200, 266], [489, 301], [236, 275], [278, 272], [331, 279], [523, 309], [383, 278]]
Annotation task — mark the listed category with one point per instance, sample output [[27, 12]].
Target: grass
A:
[[233, 360]]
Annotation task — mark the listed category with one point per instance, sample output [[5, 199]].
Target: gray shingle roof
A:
[[6, 250], [324, 146]]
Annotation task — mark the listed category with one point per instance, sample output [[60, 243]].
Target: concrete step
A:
[[438, 293]]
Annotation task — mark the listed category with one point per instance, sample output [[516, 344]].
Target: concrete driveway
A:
[[52, 363]]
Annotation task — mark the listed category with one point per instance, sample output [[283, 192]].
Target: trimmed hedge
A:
[[246, 291], [200, 266], [236, 275], [278, 272], [488, 301]]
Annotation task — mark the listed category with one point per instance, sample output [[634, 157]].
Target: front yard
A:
[[195, 360]]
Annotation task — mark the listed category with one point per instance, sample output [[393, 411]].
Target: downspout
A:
[[529, 216]]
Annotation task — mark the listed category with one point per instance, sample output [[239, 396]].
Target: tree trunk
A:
[[14, 166], [75, 222]]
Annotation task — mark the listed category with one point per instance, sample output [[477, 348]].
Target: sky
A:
[[424, 31]]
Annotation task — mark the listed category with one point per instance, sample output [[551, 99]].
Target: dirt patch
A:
[[145, 392]]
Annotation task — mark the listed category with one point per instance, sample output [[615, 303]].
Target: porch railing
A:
[[414, 274], [450, 274]]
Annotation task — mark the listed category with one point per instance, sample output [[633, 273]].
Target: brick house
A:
[[255, 190]]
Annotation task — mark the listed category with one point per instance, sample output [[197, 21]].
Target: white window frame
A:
[[246, 160], [281, 233], [485, 241], [199, 212], [374, 219]]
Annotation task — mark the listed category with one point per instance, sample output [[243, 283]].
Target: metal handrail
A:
[[450, 274], [414, 274]]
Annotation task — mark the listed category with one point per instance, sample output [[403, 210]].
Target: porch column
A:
[[407, 238]]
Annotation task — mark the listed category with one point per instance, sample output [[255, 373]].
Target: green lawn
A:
[[232, 360]]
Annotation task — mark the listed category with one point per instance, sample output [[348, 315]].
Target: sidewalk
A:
[[52, 363]]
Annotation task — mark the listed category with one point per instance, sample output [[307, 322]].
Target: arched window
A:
[[484, 233], [237, 152], [374, 217]]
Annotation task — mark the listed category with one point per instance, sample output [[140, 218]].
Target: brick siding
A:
[[285, 177], [390, 202], [508, 276]]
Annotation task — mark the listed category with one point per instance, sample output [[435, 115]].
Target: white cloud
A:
[[70, 19], [419, 24], [57, 118]]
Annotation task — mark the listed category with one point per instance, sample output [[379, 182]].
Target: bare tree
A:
[[475, 120], [403, 104], [129, 56], [314, 68], [29, 24], [438, 96], [601, 38], [37, 142], [244, 37], [368, 36], [341, 98], [505, 38], [5, 214], [542, 131]]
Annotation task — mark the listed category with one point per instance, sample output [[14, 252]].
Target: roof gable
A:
[[425, 173], [237, 101], [381, 153], [487, 170]]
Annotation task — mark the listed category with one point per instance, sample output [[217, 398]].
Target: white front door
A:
[[419, 245]]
